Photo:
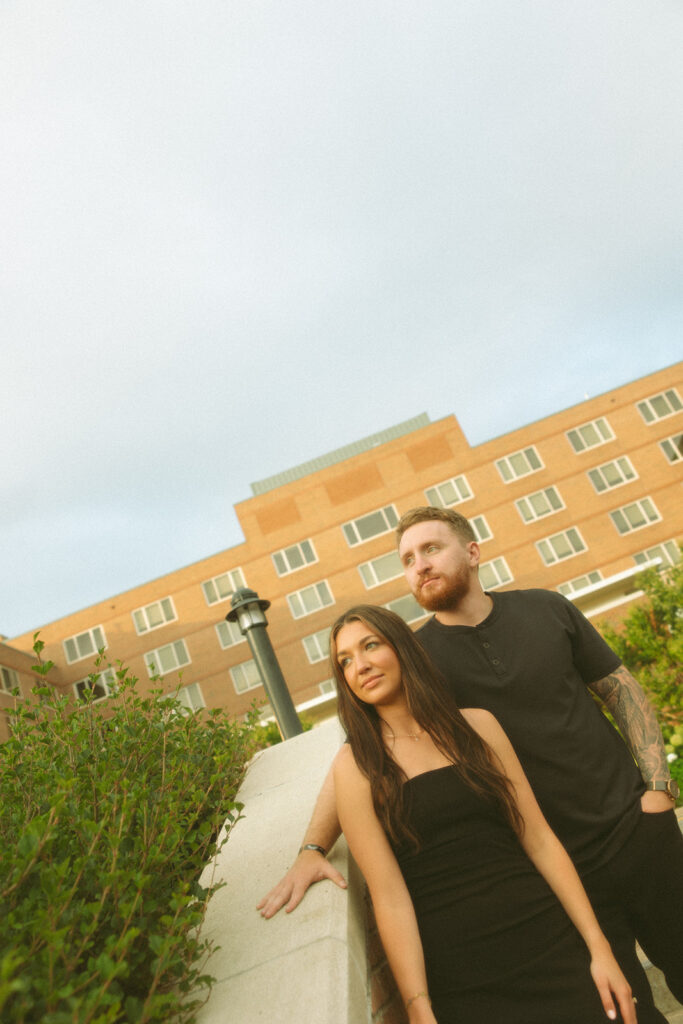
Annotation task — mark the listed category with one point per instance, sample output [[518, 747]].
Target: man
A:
[[531, 659]]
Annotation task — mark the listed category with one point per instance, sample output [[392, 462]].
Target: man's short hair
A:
[[458, 524]]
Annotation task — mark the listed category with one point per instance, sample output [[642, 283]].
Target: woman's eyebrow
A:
[[370, 636]]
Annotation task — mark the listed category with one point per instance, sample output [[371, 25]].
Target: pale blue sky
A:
[[236, 236]]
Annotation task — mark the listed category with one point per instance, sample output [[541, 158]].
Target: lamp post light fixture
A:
[[248, 610]]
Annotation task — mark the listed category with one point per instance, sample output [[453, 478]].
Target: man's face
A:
[[439, 567]]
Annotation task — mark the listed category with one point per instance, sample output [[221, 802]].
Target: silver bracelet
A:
[[313, 846]]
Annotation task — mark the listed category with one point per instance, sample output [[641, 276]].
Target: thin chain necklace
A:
[[407, 735]]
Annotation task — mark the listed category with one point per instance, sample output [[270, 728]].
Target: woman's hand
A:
[[420, 1012], [611, 984]]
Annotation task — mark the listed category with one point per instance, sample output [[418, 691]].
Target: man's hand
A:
[[656, 801], [309, 867]]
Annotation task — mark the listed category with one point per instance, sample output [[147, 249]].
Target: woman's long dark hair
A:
[[434, 709]]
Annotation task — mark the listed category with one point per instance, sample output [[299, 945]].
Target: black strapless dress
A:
[[499, 947]]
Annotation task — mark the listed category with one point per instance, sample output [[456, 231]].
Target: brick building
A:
[[576, 501]]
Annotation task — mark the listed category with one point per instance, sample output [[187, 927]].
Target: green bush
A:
[[649, 641], [108, 813]]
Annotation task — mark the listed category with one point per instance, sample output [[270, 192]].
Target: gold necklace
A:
[[407, 735]]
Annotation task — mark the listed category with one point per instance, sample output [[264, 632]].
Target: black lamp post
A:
[[248, 610]]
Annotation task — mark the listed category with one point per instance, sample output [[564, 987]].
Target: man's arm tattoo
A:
[[633, 713]]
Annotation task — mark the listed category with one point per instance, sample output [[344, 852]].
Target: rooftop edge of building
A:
[[347, 451]]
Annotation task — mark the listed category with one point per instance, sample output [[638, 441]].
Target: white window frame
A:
[[352, 534], [500, 570], [302, 548], [229, 634], [578, 442], [667, 550], [527, 511], [105, 681], [369, 574], [457, 484], [296, 604], [96, 639], [618, 465], [412, 603], [245, 676], [575, 586], [216, 586], [547, 544], [153, 658], [317, 645], [191, 697], [327, 686], [647, 509], [141, 616], [9, 679], [504, 464], [650, 415], [672, 448], [482, 530]]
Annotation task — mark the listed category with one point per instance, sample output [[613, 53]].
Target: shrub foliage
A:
[[108, 814], [649, 641]]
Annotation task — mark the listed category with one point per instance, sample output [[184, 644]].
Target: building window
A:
[[9, 680], [580, 583], [673, 447], [220, 588], [669, 553], [612, 474], [541, 503], [327, 686], [245, 676], [100, 686], [450, 492], [152, 616], [482, 530], [658, 407], [84, 645], [494, 573], [229, 634], [381, 569], [310, 599], [590, 435], [167, 658], [317, 645], [191, 697], [294, 557], [407, 607], [519, 464], [560, 546], [635, 516], [371, 525]]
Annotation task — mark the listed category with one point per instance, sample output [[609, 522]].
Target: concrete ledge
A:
[[310, 965]]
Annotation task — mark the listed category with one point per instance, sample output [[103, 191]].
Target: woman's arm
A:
[[554, 863], [310, 866], [391, 901]]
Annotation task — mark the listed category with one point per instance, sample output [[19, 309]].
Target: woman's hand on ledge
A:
[[308, 868]]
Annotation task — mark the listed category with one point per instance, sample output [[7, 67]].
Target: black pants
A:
[[639, 894]]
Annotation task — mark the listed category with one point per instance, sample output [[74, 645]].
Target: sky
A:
[[236, 236]]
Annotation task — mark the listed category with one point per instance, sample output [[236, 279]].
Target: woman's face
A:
[[369, 664]]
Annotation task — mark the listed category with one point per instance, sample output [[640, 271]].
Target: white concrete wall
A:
[[307, 966]]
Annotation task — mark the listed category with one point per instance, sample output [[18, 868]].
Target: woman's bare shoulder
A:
[[481, 720], [344, 764]]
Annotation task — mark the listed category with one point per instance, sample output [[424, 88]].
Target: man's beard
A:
[[446, 594]]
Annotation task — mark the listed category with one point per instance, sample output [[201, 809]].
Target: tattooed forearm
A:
[[631, 710]]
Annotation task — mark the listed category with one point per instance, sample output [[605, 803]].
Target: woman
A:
[[460, 863]]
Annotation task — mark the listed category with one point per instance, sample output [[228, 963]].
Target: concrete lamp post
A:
[[248, 610]]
